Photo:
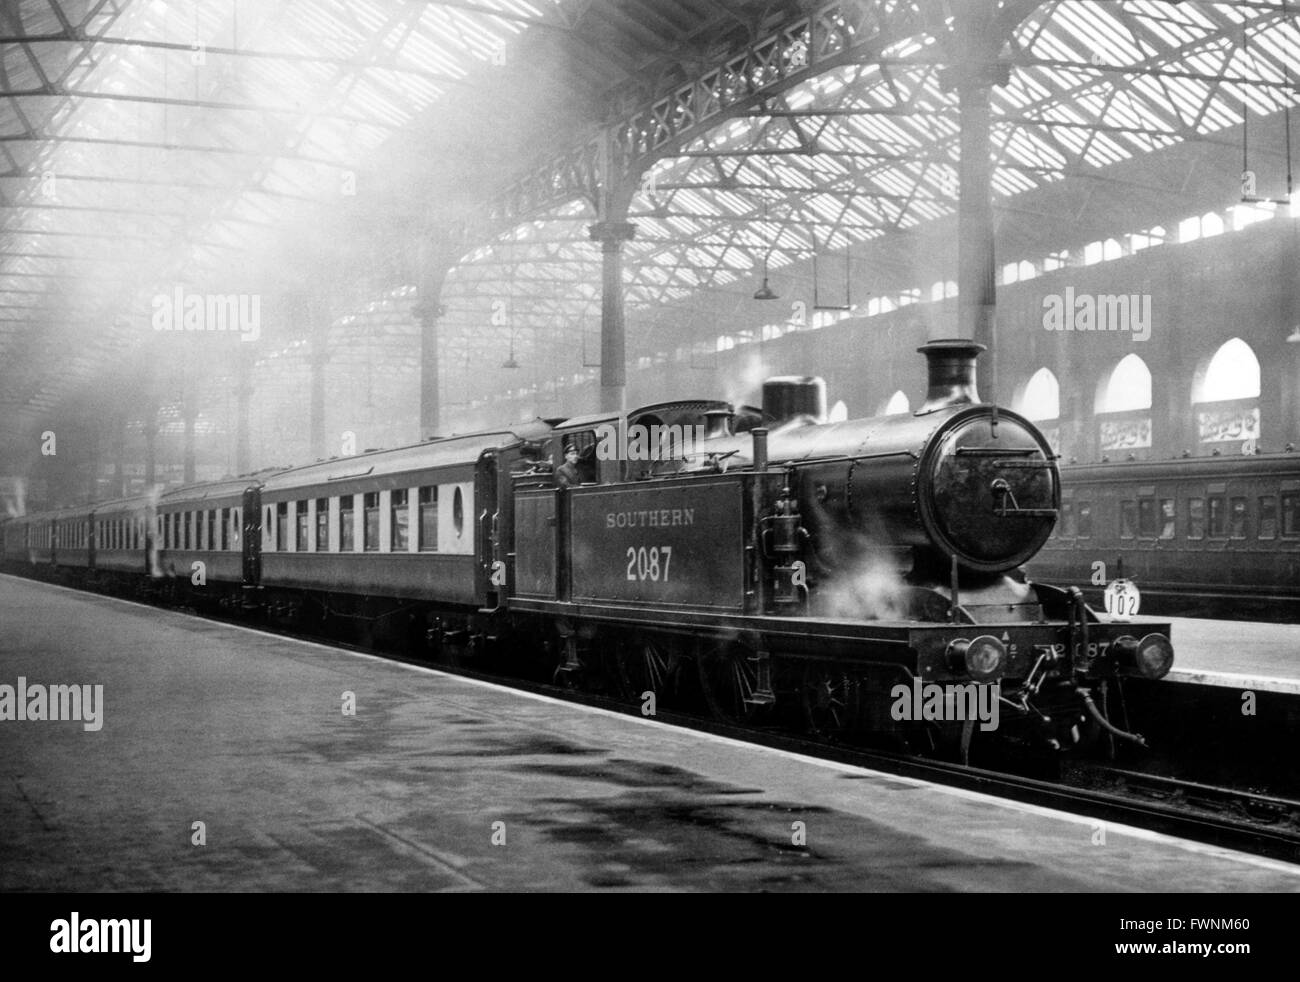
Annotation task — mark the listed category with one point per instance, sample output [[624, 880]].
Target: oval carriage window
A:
[[458, 513]]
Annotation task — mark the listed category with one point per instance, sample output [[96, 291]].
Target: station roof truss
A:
[[145, 143]]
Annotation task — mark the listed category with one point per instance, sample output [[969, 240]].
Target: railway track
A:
[[1231, 818]]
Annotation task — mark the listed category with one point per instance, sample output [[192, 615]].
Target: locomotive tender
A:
[[782, 559]]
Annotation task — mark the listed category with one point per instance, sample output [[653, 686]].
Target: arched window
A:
[[1111, 249], [1127, 388], [1027, 271], [1233, 373], [839, 412], [1189, 229], [897, 404], [1042, 398], [1211, 224]]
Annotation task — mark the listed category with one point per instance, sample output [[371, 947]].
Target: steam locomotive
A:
[[757, 558]]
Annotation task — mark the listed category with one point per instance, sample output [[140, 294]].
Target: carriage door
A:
[[252, 551], [487, 508]]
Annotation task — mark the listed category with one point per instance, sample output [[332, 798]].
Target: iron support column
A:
[[243, 401], [149, 428], [976, 261], [317, 326], [613, 330], [428, 311]]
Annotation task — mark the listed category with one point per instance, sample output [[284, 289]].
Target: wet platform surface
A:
[[1237, 654], [245, 732]]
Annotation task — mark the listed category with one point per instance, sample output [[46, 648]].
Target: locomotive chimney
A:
[[951, 364], [788, 396]]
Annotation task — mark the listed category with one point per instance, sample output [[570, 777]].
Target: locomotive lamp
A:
[[983, 659], [1152, 657]]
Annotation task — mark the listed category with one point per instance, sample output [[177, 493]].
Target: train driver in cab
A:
[[568, 474]]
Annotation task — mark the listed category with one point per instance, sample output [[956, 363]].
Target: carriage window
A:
[[223, 526], [1218, 516], [1268, 517], [1166, 518], [212, 529], [371, 541], [300, 526], [458, 512], [188, 526], [401, 520], [345, 523], [1196, 518], [1085, 519], [282, 527], [1067, 520], [234, 527], [268, 528], [1237, 518], [1127, 519], [429, 519], [1291, 514], [322, 524], [1147, 518]]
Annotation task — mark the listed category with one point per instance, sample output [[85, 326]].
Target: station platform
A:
[[1235, 654], [245, 732]]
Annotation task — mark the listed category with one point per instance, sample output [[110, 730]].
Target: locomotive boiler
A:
[[958, 490]]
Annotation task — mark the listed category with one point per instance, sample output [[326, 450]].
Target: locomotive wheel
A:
[[832, 701], [646, 664], [729, 678]]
